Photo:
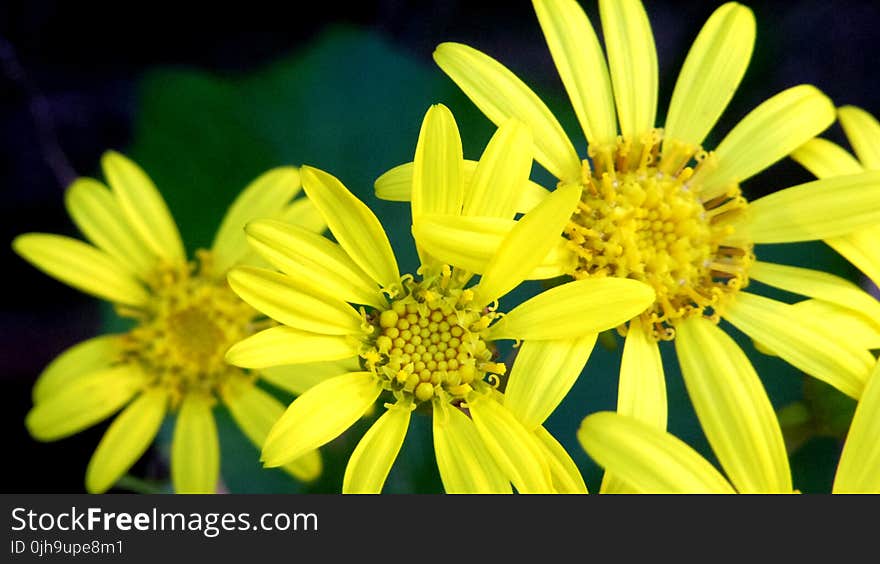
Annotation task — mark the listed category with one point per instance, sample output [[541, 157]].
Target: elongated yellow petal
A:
[[501, 172], [863, 132], [566, 477], [285, 345], [648, 459], [767, 134], [471, 242], [304, 213], [514, 448], [353, 225], [711, 73], [824, 158], [575, 309], [126, 440], [859, 468], [266, 196], [526, 245], [97, 213], [297, 378], [82, 266], [632, 59], [303, 308], [195, 448], [437, 185], [465, 464], [376, 452], [143, 206], [861, 249], [82, 403], [501, 95], [820, 209], [255, 412], [816, 284], [314, 261], [79, 360], [581, 65], [734, 410], [863, 331], [396, 185], [320, 415], [543, 372], [802, 341]]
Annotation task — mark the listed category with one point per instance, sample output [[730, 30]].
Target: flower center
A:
[[641, 217], [430, 341], [182, 337]]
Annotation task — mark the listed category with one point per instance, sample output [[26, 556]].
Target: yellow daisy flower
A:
[[651, 460], [658, 208], [427, 341], [185, 318]]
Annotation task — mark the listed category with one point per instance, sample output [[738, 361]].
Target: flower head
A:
[[184, 318], [657, 207], [427, 341]]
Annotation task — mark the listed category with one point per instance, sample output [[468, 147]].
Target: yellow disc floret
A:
[[430, 341], [642, 216], [182, 337]]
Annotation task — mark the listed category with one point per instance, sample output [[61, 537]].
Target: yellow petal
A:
[[820, 209], [353, 225], [581, 65], [82, 403], [566, 477], [543, 372], [126, 440], [733, 408], [437, 186], [82, 266], [863, 331], [863, 132], [471, 242], [574, 309], [97, 213], [711, 73], [861, 249], [396, 185], [143, 206], [320, 415], [303, 308], [824, 158], [374, 455], [816, 284], [632, 59], [525, 246], [195, 449], [465, 464], [264, 197], [802, 341], [285, 345], [79, 360], [304, 213], [648, 459], [297, 378], [502, 171], [514, 449], [501, 95], [767, 134], [859, 468], [255, 412], [313, 260]]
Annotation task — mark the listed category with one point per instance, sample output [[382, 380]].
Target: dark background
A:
[[71, 81]]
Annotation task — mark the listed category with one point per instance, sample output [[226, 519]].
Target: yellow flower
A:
[[658, 208], [185, 318], [650, 460], [426, 342]]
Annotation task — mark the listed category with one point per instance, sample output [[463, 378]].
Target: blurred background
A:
[[204, 111]]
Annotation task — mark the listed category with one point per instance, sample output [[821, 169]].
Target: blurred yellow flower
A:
[[185, 318], [427, 341]]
